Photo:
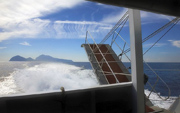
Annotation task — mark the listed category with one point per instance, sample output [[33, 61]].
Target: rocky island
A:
[[45, 58]]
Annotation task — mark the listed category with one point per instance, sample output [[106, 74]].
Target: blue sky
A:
[[58, 27]]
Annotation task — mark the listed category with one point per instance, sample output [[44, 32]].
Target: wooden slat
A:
[[114, 65]]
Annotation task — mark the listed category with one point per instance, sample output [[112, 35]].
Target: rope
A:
[[125, 20], [156, 32], [122, 22], [153, 87], [114, 28], [161, 36], [175, 21], [160, 29]]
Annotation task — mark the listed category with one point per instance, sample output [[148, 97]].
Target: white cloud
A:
[[175, 43], [18, 11], [25, 44], [77, 29], [155, 16], [20, 18], [58, 29], [25, 29], [114, 17], [3, 48], [80, 22], [147, 17], [157, 45]]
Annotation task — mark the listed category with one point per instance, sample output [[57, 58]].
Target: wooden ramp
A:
[[106, 64], [108, 67]]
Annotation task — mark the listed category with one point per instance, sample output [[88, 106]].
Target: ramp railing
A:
[[113, 41], [103, 57]]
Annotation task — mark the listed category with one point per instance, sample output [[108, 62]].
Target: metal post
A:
[[136, 61]]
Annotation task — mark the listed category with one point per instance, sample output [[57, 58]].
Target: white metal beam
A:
[[136, 61]]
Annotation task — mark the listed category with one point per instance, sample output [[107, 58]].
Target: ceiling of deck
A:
[[167, 7]]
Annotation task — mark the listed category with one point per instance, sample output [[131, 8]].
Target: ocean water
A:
[[170, 74], [32, 77]]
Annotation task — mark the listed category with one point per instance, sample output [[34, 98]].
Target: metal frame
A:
[[97, 47], [136, 61]]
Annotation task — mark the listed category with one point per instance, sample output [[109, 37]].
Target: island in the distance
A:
[[46, 58]]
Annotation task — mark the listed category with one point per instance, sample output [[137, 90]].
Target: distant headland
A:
[[46, 58]]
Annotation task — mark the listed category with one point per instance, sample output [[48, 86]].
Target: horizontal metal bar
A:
[[100, 53], [107, 61]]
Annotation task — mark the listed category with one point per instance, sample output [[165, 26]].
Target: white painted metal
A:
[[175, 107], [136, 61]]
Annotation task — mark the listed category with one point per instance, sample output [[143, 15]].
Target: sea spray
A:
[[32, 77], [7, 86], [52, 76], [157, 101]]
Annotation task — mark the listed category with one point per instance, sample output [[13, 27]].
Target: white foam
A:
[[52, 76], [7, 86], [157, 101]]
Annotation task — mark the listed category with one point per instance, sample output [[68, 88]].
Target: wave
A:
[[52, 76], [7, 86], [48, 77], [157, 101]]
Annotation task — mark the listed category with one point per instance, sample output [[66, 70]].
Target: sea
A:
[[18, 78]]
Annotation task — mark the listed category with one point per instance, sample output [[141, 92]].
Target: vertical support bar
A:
[[136, 61]]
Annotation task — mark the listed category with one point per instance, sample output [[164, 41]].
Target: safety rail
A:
[[116, 73], [120, 24], [153, 87], [113, 41], [97, 47], [109, 61], [158, 77]]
